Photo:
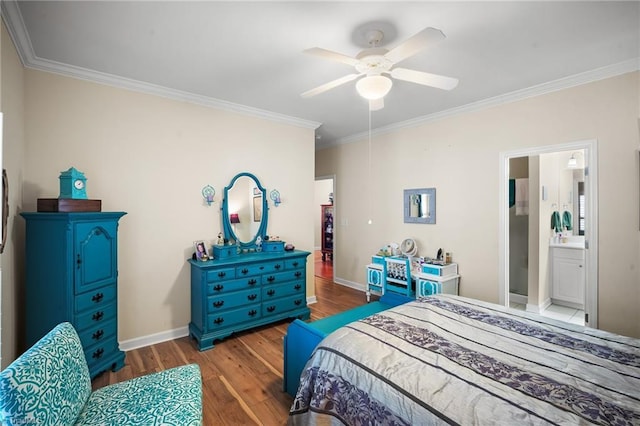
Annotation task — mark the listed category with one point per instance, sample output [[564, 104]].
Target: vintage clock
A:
[[73, 184]]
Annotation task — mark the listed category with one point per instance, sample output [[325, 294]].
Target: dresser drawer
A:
[[282, 305], [94, 354], [280, 277], [95, 316], [223, 319], [260, 268], [232, 300], [295, 263], [221, 274], [282, 290], [95, 299], [232, 285], [98, 333]]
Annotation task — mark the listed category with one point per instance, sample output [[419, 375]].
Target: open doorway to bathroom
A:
[[548, 231], [324, 229]]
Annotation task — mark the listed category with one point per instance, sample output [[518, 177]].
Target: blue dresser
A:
[[244, 291], [72, 275]]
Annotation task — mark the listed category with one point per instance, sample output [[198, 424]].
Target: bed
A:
[[450, 360]]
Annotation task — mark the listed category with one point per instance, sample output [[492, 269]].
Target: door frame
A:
[[335, 222], [591, 226]]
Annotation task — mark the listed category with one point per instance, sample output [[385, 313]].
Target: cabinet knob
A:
[[97, 316], [222, 274], [98, 354], [252, 313], [97, 335], [78, 261], [218, 287], [271, 278], [295, 264], [252, 281], [218, 303], [271, 308], [298, 274], [97, 297], [271, 292], [252, 296], [278, 266], [218, 320], [298, 302], [245, 271], [297, 286]]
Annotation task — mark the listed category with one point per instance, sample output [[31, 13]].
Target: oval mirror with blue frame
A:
[[245, 210]]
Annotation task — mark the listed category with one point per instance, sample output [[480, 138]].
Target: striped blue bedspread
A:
[[450, 360]]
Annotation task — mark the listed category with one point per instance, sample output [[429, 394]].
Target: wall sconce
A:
[[573, 161], [208, 193], [275, 197]]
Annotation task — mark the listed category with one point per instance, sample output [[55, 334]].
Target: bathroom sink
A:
[[572, 241]]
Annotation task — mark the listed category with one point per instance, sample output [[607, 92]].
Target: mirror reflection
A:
[[420, 205], [244, 211]]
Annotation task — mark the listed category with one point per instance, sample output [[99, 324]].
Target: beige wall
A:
[[13, 153], [459, 156]]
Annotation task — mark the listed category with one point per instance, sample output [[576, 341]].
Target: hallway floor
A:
[[562, 313], [322, 269]]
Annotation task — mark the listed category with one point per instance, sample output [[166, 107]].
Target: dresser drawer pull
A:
[[245, 271], [97, 316], [218, 303], [252, 281], [78, 261], [218, 320], [271, 279], [295, 264], [252, 296], [222, 274], [98, 354], [261, 268], [97, 335], [298, 274], [297, 286], [253, 313], [278, 266], [271, 292], [97, 297], [298, 302], [218, 287], [271, 308]]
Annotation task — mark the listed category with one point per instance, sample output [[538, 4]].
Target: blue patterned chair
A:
[[50, 385]]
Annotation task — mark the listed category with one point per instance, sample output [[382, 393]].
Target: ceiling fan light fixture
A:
[[374, 87]]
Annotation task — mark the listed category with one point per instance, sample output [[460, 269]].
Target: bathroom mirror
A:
[[420, 205], [244, 210]]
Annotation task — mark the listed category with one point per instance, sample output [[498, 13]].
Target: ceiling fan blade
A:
[[425, 78], [330, 85], [414, 44], [376, 104], [332, 56]]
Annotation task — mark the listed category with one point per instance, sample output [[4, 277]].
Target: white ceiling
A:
[[248, 55]]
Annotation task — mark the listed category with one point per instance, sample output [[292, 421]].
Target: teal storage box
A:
[[273, 246], [440, 270], [377, 259], [224, 252]]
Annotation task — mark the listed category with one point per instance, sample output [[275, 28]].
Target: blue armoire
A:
[[72, 275]]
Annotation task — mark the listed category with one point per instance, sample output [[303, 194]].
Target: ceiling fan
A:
[[377, 63]]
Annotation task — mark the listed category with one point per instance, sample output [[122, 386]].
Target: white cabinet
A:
[[568, 277], [375, 280]]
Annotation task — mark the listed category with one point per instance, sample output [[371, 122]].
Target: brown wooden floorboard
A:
[[241, 375]]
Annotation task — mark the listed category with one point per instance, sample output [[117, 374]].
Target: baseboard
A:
[[311, 300], [350, 284], [518, 298], [152, 339]]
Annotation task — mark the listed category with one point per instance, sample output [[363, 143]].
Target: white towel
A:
[[522, 197]]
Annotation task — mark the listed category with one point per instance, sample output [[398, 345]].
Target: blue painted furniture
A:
[[302, 338], [72, 275], [244, 291], [49, 385]]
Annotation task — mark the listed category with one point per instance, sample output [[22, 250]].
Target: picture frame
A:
[[257, 208], [202, 252]]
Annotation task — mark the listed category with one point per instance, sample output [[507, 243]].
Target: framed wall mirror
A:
[[420, 205], [244, 210]]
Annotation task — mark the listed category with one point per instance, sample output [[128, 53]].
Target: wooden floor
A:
[[241, 375], [322, 269]]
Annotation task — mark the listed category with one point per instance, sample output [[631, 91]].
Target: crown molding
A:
[[15, 25], [530, 92]]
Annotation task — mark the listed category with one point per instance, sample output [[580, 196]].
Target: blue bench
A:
[[302, 337]]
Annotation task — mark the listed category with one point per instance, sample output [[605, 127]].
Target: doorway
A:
[[543, 201], [324, 229]]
